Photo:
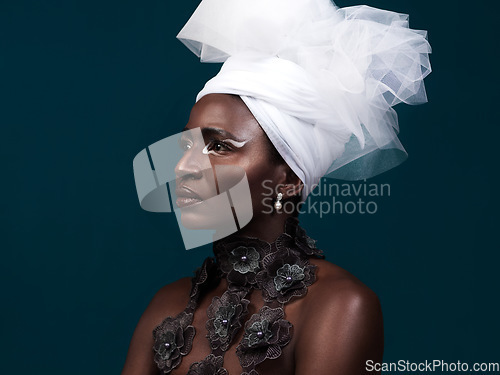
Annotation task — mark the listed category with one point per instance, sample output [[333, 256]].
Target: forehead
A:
[[226, 112]]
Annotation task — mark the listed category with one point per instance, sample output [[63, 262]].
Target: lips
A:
[[186, 197]]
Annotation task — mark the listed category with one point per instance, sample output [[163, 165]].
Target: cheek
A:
[[260, 171], [261, 179]]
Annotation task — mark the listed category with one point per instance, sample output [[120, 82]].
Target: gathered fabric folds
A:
[[321, 81]]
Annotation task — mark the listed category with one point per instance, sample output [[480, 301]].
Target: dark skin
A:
[[337, 326]]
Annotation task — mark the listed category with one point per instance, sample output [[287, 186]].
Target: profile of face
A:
[[235, 143]]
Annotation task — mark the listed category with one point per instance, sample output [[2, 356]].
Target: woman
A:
[[312, 97]]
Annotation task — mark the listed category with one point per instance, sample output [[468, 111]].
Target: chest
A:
[[201, 346]]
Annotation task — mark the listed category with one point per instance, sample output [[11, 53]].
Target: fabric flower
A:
[[205, 277], [265, 334], [306, 243], [295, 236], [223, 318], [244, 259], [288, 275], [173, 338], [224, 321], [258, 333], [238, 259], [285, 274], [211, 365]]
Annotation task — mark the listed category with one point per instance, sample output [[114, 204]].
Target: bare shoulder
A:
[[341, 324], [171, 299], [336, 287]]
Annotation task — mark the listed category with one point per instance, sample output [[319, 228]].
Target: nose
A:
[[190, 165]]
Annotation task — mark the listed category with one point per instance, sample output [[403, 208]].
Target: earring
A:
[[277, 204]]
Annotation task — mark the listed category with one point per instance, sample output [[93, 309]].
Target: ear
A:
[[289, 184]]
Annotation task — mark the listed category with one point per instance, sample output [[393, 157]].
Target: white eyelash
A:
[[206, 152], [237, 144]]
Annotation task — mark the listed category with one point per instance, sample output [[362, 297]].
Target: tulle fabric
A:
[[321, 80]]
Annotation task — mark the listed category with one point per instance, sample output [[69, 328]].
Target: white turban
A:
[[321, 81]]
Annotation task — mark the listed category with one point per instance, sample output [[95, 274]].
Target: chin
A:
[[191, 219], [211, 214]]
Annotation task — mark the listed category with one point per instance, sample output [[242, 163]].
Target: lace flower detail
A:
[[224, 321], [173, 338], [297, 235], [265, 334], [288, 275], [258, 333], [211, 365], [244, 259], [205, 276], [285, 275], [239, 258]]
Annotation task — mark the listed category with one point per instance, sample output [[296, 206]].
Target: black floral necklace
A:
[[281, 270]]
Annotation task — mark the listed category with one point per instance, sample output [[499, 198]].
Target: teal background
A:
[[86, 85]]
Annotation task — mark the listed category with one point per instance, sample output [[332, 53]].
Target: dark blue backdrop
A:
[[85, 85]]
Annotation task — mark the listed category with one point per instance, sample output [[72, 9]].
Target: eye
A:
[[185, 144], [216, 147]]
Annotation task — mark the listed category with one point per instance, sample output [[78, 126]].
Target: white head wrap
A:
[[321, 81]]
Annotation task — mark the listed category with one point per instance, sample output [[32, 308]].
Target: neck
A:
[[266, 229]]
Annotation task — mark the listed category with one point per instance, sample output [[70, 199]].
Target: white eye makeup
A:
[[207, 149]]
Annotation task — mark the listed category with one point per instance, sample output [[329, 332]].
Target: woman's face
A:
[[231, 137]]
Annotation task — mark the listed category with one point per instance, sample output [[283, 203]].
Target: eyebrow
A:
[[205, 132]]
